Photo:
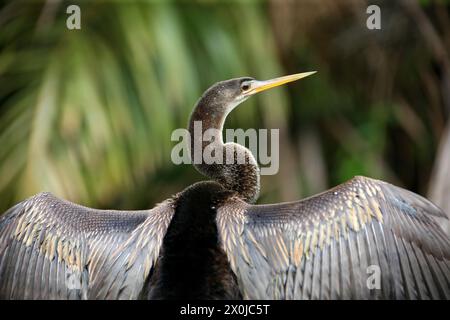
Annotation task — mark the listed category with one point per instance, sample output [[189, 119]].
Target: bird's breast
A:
[[192, 264]]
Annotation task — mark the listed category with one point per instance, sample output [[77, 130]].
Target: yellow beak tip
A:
[[305, 74]]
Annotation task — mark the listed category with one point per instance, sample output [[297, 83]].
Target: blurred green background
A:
[[88, 114]]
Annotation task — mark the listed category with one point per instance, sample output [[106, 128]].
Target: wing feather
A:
[[334, 271], [335, 244], [131, 261], [54, 249]]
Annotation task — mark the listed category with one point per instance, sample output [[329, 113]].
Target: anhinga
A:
[[210, 241]]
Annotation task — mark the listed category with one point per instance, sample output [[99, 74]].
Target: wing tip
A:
[[417, 200]]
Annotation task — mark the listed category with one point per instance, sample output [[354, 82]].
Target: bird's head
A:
[[228, 94]]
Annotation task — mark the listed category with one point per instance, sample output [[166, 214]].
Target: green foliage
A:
[[87, 114]]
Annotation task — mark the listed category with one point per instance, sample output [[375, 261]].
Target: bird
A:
[[362, 239]]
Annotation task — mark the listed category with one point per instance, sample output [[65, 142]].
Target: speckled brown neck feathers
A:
[[192, 264], [210, 113]]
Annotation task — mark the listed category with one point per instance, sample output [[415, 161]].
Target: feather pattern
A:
[[54, 249], [335, 244]]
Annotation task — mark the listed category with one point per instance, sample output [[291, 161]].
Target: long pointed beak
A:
[[259, 86]]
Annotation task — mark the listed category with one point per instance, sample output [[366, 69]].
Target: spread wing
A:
[[364, 239], [54, 249]]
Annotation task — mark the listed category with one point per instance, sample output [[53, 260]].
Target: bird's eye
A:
[[245, 87]]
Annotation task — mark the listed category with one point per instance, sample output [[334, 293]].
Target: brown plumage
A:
[[210, 242]]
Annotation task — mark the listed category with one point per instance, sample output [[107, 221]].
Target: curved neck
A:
[[216, 160]]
